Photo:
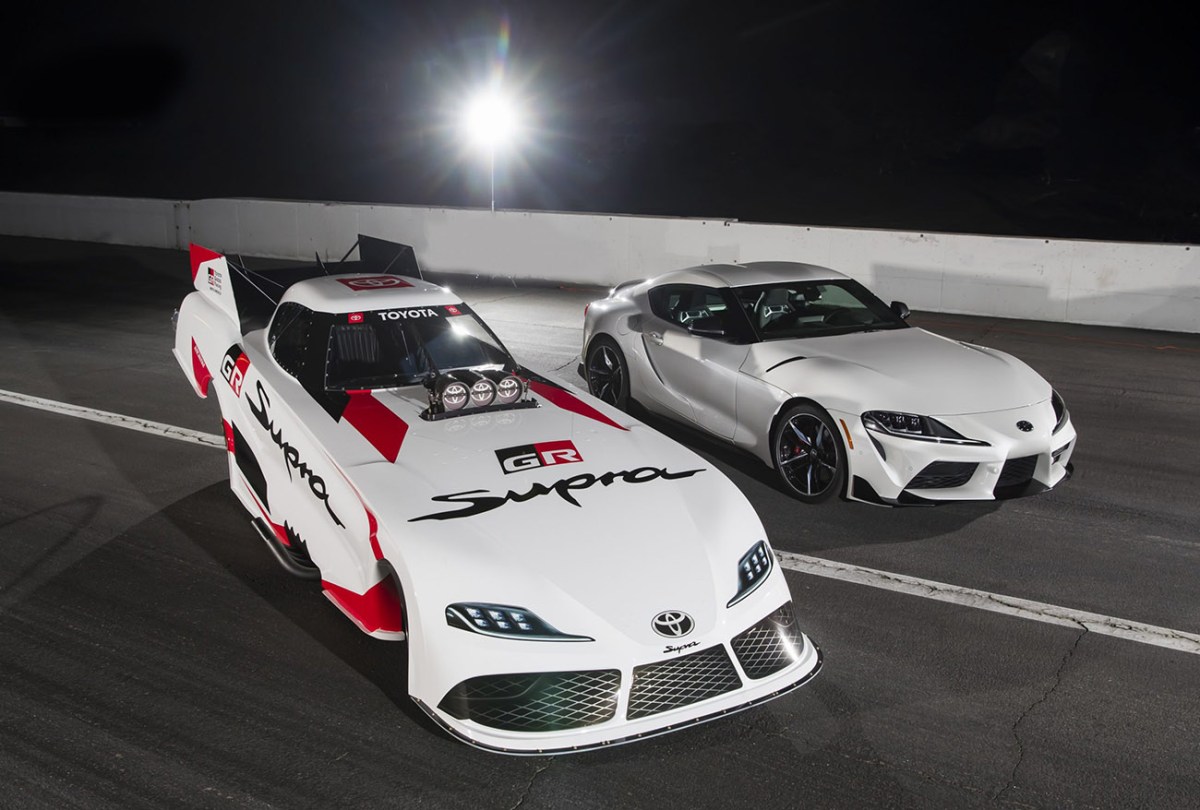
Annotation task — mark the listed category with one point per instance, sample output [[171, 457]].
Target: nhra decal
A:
[[198, 256], [374, 283], [557, 395], [533, 456], [214, 280], [480, 500], [406, 314], [316, 484], [234, 368], [200, 370]]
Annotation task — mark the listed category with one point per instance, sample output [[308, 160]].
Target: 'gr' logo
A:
[[533, 456], [234, 368]]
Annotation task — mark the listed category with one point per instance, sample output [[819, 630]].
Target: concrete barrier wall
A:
[[1076, 281]]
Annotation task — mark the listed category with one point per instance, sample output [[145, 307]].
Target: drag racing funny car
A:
[[565, 576], [809, 371]]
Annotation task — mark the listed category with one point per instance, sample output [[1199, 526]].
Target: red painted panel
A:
[[376, 422], [373, 525], [569, 402], [377, 609], [199, 255], [200, 370]]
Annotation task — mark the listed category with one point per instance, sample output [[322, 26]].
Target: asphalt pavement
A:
[[153, 654]]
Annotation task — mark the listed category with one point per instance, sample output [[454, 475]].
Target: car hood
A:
[[903, 369], [597, 526]]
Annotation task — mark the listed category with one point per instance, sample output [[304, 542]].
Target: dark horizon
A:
[[1062, 119]]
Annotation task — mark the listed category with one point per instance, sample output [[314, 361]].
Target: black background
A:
[[1042, 118]]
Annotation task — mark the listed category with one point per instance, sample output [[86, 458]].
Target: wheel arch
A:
[[838, 430]]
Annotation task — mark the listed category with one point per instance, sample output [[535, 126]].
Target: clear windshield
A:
[[814, 309], [390, 348]]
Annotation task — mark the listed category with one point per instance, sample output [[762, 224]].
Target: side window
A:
[[703, 311], [683, 303], [664, 301], [289, 336]]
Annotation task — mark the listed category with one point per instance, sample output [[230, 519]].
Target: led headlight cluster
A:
[[1061, 415], [504, 621], [914, 426], [464, 389], [753, 568]]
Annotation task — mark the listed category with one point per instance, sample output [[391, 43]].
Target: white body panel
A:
[[736, 390], [405, 515]]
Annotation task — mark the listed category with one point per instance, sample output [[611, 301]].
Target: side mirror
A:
[[901, 310], [710, 326]]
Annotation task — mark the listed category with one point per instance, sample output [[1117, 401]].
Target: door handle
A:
[[656, 338]]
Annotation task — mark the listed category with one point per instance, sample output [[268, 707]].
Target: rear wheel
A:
[[607, 372], [808, 454]]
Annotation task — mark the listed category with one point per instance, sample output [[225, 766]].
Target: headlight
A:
[[504, 621], [1061, 415], [450, 394], [509, 389], [483, 391], [753, 568], [913, 426]]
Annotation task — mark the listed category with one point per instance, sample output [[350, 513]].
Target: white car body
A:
[[736, 387], [563, 509]]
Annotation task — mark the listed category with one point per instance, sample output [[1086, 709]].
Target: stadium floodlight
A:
[[491, 122]]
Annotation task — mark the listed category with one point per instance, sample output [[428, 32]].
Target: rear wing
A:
[[249, 297]]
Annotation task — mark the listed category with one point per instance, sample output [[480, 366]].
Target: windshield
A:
[[390, 348], [814, 309]]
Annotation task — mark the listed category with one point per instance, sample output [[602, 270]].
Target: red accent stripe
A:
[[228, 435], [376, 422], [377, 609], [200, 370], [373, 525], [569, 402], [200, 255]]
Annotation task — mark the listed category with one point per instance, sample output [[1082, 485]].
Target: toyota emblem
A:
[[673, 623], [1024, 426]]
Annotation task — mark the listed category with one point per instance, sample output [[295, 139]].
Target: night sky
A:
[[1054, 119]]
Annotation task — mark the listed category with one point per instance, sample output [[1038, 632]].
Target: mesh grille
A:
[[667, 685], [540, 701], [771, 645], [943, 475], [1017, 472]]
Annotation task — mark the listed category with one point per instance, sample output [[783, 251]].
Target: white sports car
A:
[[565, 577], [809, 371]]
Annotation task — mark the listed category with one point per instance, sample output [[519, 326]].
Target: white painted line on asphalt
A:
[[997, 603], [116, 419], [914, 586]]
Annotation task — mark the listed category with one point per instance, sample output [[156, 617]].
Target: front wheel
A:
[[607, 372], [808, 454]]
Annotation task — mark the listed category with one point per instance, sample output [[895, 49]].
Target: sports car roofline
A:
[[747, 275]]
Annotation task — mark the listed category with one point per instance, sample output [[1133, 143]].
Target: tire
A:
[[808, 454], [607, 372]]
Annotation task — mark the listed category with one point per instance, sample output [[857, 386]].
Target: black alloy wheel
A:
[[808, 454], [607, 372]]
